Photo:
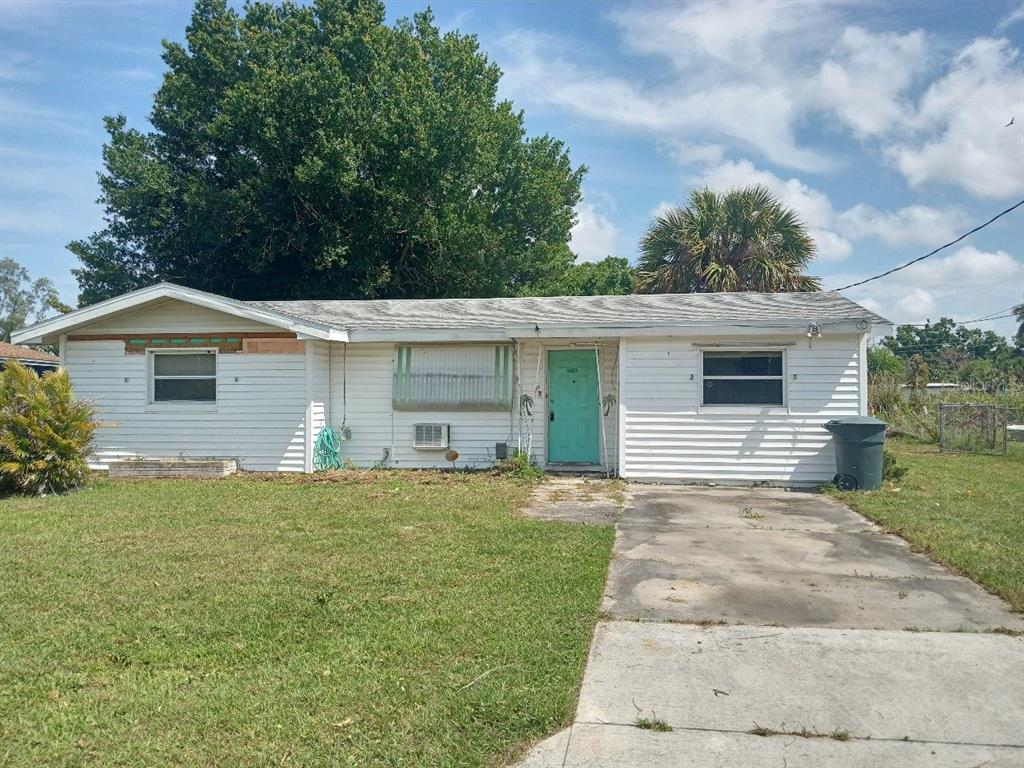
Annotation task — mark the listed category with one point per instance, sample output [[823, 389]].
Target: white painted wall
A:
[[362, 381], [361, 396], [261, 399], [669, 436], [172, 316]]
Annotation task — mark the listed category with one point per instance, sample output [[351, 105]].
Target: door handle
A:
[[551, 415]]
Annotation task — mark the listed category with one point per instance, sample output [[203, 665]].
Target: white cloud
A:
[[831, 245], [727, 36], [735, 74], [834, 231], [865, 79], [18, 113], [965, 285], [134, 74], [661, 209], [912, 225], [738, 72], [593, 236], [961, 120], [1014, 16], [686, 152], [760, 115]]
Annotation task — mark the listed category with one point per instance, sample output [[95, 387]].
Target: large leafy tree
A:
[[882, 362], [947, 347], [22, 299], [738, 240], [315, 151], [612, 276]]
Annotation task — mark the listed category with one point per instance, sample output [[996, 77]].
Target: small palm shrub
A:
[[45, 433]]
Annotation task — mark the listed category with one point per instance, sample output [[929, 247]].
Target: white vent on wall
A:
[[431, 436]]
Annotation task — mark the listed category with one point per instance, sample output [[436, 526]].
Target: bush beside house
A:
[[45, 432]]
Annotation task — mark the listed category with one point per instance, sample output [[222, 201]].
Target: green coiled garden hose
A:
[[327, 450]]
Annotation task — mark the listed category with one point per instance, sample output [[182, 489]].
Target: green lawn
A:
[[964, 510], [389, 619]]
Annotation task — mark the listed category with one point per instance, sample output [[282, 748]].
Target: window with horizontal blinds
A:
[[453, 378], [742, 378]]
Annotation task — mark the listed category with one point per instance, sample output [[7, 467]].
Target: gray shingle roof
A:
[[757, 309]]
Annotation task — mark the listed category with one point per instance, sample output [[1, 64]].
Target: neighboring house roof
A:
[[440, 319], [15, 352]]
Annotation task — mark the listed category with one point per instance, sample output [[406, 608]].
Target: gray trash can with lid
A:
[[858, 442]]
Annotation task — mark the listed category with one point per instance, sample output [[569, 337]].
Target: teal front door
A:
[[574, 408]]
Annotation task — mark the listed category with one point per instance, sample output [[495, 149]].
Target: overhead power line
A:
[[932, 253], [991, 315], [960, 322], [986, 319]]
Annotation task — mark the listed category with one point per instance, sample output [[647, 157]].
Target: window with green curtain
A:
[[468, 377]]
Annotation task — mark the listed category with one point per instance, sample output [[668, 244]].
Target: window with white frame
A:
[[468, 377], [742, 378], [183, 377]]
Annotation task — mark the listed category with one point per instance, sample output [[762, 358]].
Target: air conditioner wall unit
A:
[[431, 437]]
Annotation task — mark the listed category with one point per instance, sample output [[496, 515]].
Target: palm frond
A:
[[741, 239]]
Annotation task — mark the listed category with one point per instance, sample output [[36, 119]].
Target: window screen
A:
[[742, 378], [185, 377], [447, 378]]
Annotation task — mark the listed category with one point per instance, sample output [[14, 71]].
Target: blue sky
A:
[[883, 124]]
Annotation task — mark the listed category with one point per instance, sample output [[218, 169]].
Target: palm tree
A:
[[739, 240]]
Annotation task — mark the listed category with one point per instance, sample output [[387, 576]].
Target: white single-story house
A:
[[722, 387]]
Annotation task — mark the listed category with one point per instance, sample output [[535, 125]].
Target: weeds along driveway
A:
[[771, 628]]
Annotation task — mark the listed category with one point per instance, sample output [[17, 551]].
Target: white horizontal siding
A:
[[174, 316], [361, 398], [668, 436], [258, 418]]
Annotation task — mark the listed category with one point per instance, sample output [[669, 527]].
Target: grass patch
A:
[[804, 733], [655, 724], [377, 619], [963, 510], [748, 513]]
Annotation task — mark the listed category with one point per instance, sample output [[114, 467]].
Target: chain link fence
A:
[[974, 428]]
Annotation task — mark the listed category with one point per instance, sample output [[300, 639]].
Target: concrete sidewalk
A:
[[816, 655]]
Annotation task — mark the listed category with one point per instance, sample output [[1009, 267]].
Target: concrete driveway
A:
[[773, 628]]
